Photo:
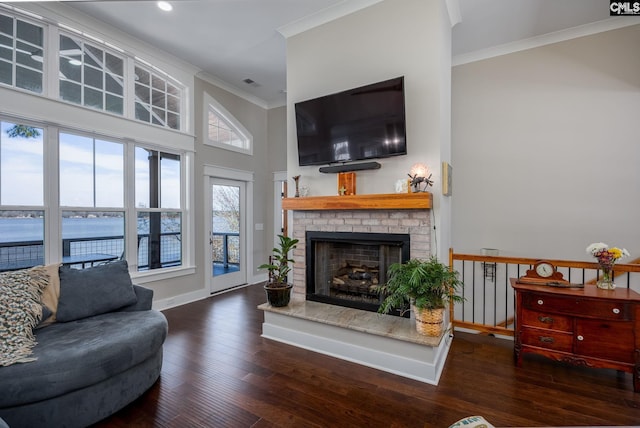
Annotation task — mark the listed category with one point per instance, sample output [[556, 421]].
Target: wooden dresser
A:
[[581, 326]]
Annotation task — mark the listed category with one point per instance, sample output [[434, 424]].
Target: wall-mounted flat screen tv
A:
[[361, 123]]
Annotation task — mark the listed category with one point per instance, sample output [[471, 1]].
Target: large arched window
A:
[[223, 130], [90, 72]]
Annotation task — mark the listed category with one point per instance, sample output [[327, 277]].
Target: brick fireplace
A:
[[369, 214], [344, 268], [385, 342]]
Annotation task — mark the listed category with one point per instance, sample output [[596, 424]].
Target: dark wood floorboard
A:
[[219, 372]]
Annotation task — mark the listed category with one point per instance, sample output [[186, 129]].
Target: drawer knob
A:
[[546, 339], [616, 310], [540, 302], [580, 337], [547, 320]]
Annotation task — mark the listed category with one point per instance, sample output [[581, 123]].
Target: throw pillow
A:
[[50, 295], [20, 312], [94, 290]]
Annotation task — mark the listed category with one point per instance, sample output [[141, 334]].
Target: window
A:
[[21, 165], [21, 190], [21, 54], [90, 72], [158, 203], [157, 100], [91, 176], [90, 76], [223, 130], [91, 210]]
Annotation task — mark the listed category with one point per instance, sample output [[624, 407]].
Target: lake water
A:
[[31, 229]]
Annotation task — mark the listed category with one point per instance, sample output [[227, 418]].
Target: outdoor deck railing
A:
[[489, 299], [19, 255], [23, 254], [225, 247]]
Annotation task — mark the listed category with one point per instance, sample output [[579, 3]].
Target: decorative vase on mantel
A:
[[605, 279]]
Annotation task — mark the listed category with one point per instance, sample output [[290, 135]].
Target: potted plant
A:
[[425, 286], [277, 288]]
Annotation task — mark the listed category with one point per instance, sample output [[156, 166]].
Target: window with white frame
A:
[[157, 99], [22, 214], [92, 207], [21, 53], [158, 207], [90, 75], [223, 130], [90, 72]]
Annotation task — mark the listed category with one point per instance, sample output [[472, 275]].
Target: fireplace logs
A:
[[356, 280]]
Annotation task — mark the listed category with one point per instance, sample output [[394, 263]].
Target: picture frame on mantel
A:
[[446, 179], [346, 183]]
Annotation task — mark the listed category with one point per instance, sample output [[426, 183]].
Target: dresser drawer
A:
[[554, 340], [583, 307], [611, 340], [546, 320]]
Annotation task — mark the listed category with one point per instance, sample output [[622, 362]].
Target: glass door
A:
[[226, 240]]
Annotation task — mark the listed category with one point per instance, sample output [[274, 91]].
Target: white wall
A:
[[545, 149], [392, 38]]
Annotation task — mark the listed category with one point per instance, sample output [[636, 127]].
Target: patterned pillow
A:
[[20, 312]]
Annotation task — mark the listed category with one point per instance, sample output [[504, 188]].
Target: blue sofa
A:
[[90, 367]]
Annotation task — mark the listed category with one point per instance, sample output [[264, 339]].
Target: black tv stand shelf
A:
[[349, 167]]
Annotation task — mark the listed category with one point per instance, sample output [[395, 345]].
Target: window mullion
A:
[[53, 214]]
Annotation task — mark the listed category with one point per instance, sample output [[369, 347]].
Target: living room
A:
[[528, 133]]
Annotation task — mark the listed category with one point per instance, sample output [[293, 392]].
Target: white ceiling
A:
[[233, 40]]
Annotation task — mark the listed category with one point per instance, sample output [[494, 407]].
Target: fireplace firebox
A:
[[344, 267]]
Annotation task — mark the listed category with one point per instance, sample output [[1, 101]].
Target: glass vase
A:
[[605, 279]]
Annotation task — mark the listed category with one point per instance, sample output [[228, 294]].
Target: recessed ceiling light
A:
[[165, 5]]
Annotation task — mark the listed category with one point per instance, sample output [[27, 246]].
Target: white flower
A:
[[625, 253], [596, 247]]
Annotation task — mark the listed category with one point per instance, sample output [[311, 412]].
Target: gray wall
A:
[[408, 38], [545, 148], [255, 119]]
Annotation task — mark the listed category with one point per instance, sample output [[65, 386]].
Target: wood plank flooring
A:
[[219, 372]]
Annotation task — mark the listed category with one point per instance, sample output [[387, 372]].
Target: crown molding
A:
[[545, 39], [453, 10], [323, 16]]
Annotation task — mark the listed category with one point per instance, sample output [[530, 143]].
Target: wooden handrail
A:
[[620, 267], [501, 326]]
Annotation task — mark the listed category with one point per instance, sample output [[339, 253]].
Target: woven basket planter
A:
[[429, 322]]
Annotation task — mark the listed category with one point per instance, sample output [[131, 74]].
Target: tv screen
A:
[[358, 124]]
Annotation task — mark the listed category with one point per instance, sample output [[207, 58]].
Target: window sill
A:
[[160, 274]]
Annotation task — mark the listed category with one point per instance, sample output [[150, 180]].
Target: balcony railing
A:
[[225, 247], [80, 252], [489, 299]]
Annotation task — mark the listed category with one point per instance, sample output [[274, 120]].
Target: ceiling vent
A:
[[251, 82]]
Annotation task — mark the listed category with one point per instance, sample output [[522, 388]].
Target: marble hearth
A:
[[384, 342]]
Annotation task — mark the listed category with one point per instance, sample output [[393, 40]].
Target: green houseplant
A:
[[278, 289], [425, 286]]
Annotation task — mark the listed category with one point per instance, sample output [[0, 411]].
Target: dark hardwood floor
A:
[[219, 372]]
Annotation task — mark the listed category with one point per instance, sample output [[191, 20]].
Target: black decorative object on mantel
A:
[[297, 179]]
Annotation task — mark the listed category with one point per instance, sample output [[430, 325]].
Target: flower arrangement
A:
[[606, 257]]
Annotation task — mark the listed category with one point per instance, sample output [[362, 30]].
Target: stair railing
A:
[[489, 305]]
